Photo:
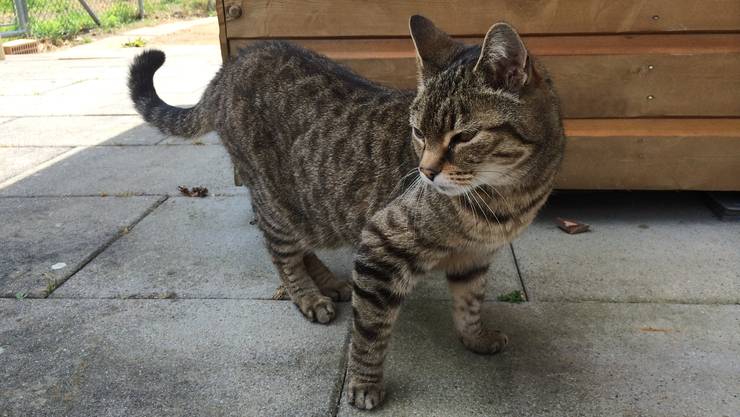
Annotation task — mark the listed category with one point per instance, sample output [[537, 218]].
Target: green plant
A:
[[136, 43], [512, 297]]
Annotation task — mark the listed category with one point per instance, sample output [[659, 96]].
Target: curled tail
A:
[[171, 120]]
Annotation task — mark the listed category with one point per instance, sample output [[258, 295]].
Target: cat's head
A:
[[483, 114]]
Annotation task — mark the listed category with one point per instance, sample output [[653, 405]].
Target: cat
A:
[[433, 179]]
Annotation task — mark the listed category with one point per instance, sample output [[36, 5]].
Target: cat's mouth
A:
[[444, 185]]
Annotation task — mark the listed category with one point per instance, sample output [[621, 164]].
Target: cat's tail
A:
[[171, 120]]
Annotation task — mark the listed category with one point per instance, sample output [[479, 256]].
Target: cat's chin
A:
[[448, 190]]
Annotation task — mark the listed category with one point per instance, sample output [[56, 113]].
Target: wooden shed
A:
[[650, 89]]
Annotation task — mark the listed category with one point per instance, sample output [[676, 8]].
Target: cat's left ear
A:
[[504, 59]]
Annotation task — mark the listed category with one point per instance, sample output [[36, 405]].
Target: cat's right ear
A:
[[434, 48]]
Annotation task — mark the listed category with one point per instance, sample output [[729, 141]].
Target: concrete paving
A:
[[15, 161], [129, 170], [188, 248], [46, 240], [581, 359], [217, 253], [167, 358], [171, 317], [642, 248], [79, 131]]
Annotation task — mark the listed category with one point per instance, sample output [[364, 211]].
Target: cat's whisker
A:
[[475, 198], [468, 202], [403, 178], [489, 209], [506, 202]]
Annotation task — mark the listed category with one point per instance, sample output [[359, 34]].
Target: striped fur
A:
[[330, 160]]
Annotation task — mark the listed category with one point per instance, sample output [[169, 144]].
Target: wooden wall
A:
[[650, 88]]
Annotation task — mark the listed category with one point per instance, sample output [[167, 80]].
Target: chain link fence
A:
[[60, 19]]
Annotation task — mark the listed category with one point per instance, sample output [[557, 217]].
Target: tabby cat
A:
[[436, 179]]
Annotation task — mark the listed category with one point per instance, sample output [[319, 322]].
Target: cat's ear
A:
[[503, 59], [434, 48]]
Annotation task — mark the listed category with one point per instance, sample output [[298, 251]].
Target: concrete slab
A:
[[167, 83], [79, 131], [586, 359], [207, 139], [12, 87], [14, 161], [134, 170], [167, 358], [206, 248], [26, 106], [665, 247], [66, 232], [188, 248]]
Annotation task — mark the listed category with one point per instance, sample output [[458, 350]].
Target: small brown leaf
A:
[[571, 226], [655, 330], [193, 192]]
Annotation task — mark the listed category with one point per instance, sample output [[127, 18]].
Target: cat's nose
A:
[[429, 172]]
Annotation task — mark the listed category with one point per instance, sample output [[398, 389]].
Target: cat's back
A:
[[278, 61]]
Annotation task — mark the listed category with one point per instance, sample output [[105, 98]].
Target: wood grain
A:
[[222, 36], [347, 18], [633, 76], [677, 154]]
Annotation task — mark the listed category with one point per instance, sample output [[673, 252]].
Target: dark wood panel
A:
[[321, 18]]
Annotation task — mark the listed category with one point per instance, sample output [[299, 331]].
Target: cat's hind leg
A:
[[302, 290], [287, 255], [328, 283]]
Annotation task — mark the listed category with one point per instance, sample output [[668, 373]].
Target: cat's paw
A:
[[317, 308], [488, 342], [338, 291], [365, 396]]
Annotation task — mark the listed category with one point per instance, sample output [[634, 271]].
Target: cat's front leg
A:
[[468, 288], [383, 275]]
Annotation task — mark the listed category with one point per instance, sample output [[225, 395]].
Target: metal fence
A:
[[12, 18], [57, 19]]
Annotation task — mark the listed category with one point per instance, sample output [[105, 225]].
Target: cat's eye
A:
[[464, 136], [417, 133]]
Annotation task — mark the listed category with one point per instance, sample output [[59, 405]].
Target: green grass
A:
[[512, 297], [136, 43], [57, 20]]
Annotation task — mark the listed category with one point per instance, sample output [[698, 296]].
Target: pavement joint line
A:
[[49, 162], [441, 299], [109, 195], [15, 116], [107, 244], [177, 297], [419, 300], [166, 137], [519, 273], [42, 116], [343, 365], [99, 145], [67, 85], [10, 119]]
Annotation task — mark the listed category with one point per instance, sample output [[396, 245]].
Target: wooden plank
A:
[[669, 44], [222, 36], [678, 154], [664, 75], [347, 18]]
